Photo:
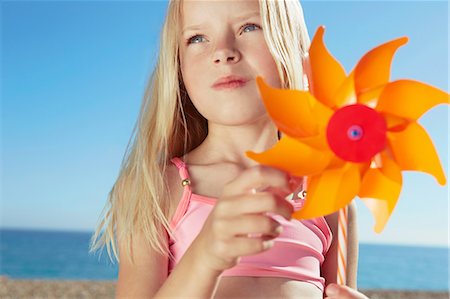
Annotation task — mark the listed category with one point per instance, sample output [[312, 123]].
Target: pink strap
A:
[[184, 202], [181, 167]]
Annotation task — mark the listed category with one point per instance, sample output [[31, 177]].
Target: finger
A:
[[296, 183], [259, 177], [335, 291], [249, 246], [352, 293], [255, 225], [258, 203]]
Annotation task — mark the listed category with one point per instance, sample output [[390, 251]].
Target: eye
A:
[[194, 39], [250, 25]]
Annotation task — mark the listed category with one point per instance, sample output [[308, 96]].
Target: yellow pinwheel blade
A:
[[380, 189], [410, 99], [296, 113], [330, 191], [413, 150], [293, 156], [326, 72], [373, 69]]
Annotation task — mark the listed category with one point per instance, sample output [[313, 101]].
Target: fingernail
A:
[[268, 244], [332, 290], [279, 229]]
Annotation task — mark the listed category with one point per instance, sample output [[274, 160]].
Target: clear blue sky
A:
[[73, 75]]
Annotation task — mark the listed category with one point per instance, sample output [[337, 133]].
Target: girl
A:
[[190, 216]]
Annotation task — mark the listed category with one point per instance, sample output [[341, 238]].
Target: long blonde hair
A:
[[168, 125]]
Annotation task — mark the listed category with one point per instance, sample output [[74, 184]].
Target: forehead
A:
[[196, 12]]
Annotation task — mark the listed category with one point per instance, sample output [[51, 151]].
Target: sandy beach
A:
[[49, 289]]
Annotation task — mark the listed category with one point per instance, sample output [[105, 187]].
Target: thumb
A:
[[295, 182], [335, 291]]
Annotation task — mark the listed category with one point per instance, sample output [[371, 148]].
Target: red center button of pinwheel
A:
[[356, 133]]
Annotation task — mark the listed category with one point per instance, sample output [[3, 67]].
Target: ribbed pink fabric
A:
[[297, 253]]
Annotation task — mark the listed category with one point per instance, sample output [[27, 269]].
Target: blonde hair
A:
[[168, 125]]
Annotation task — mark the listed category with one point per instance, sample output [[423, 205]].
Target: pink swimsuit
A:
[[297, 253]]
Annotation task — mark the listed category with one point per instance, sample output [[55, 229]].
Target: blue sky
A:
[[73, 75]]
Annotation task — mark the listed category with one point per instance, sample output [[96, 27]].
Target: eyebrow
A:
[[240, 18]]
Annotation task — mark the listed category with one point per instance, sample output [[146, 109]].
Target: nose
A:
[[226, 56], [226, 52]]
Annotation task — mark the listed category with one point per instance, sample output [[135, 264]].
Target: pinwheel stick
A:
[[342, 246]]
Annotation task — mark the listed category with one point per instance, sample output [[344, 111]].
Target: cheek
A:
[[270, 70], [188, 72], [264, 64], [273, 74], [190, 65], [193, 81]]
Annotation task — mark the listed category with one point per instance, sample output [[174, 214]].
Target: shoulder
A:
[[172, 175], [173, 179]]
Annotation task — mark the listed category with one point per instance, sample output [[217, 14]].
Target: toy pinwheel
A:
[[352, 135]]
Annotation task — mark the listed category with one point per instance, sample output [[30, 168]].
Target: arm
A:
[[329, 267], [147, 278], [190, 279], [143, 278]]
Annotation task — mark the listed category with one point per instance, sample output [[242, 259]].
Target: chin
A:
[[238, 119]]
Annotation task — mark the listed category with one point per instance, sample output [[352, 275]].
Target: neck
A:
[[229, 143]]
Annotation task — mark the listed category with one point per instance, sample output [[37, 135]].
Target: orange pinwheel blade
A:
[[373, 69], [326, 72], [395, 123], [330, 191], [293, 156], [410, 99], [380, 189], [346, 93], [413, 150], [296, 113], [318, 141]]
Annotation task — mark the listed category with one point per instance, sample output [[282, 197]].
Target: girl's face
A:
[[219, 39]]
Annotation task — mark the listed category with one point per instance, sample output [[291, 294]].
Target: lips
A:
[[231, 81]]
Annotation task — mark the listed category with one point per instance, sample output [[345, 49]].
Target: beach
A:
[[49, 289]]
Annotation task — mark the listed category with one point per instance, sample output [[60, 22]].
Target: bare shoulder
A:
[[173, 180]]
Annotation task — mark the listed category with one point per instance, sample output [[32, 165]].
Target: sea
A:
[[33, 254]]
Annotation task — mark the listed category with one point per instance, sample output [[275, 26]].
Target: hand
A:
[[335, 291], [239, 224]]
